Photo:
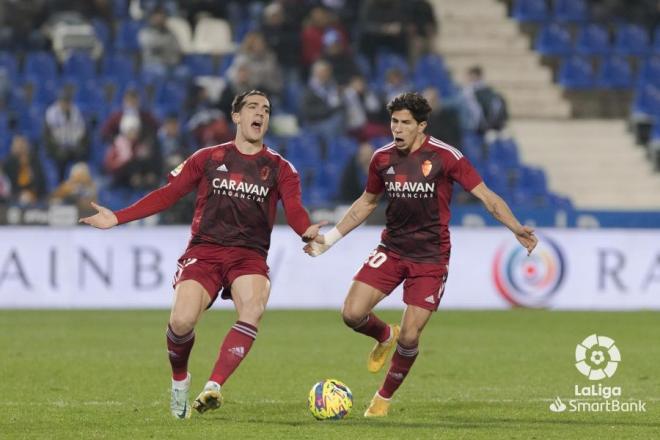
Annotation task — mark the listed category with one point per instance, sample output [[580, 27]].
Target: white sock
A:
[[212, 385], [179, 384]]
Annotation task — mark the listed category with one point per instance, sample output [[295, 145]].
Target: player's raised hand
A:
[[311, 232], [316, 247], [103, 219], [526, 237]]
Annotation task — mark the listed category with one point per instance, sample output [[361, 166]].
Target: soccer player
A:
[[238, 185], [417, 173]]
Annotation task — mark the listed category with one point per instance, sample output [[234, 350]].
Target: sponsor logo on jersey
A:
[[410, 190], [426, 167], [242, 190]]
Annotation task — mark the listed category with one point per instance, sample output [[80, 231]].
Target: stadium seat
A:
[[181, 29], [631, 39], [41, 65], [79, 66], [213, 36], [303, 151], [103, 33], [9, 64], [649, 73], [646, 102], [576, 73], [200, 64], [117, 67], [592, 39], [570, 10], [553, 39], [530, 10], [386, 61], [656, 41], [615, 73], [504, 152], [170, 92], [126, 39]]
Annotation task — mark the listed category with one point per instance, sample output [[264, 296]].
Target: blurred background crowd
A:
[[99, 99]]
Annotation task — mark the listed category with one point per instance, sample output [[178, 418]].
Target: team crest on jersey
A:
[[176, 171], [426, 168], [264, 173]]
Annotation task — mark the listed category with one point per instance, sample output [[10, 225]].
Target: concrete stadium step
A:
[[595, 162]]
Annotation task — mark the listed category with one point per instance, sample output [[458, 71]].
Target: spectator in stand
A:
[[322, 107], [65, 134], [283, 38], [5, 187], [444, 121], [354, 176], [336, 53], [422, 28], [20, 25], [79, 189], [485, 109], [395, 84], [265, 73], [365, 117], [171, 143], [25, 174], [130, 106], [132, 160], [207, 125], [160, 47], [383, 27], [237, 83], [318, 22]]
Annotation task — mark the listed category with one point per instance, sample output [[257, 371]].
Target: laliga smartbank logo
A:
[[529, 281], [597, 358]]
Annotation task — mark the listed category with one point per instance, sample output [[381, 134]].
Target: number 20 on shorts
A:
[[376, 259]]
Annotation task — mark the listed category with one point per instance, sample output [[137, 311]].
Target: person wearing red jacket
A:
[[238, 186]]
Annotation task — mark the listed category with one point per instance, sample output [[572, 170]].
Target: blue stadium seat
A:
[[118, 67], [225, 63], [363, 66], [44, 91], [200, 65], [553, 39], [576, 73], [631, 39], [5, 143], [649, 73], [571, 10], [341, 149], [615, 73], [530, 10], [103, 33], [504, 152], [386, 61], [656, 41], [647, 101], [592, 39], [303, 151], [533, 180], [170, 92], [79, 67], [126, 39], [9, 64], [41, 65]]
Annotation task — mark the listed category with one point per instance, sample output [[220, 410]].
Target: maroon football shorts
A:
[[423, 283], [216, 267]]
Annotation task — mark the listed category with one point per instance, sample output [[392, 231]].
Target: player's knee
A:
[[351, 317], [252, 312], [409, 337], [182, 324]]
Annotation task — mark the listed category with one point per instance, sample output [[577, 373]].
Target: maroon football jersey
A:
[[419, 188], [237, 196]]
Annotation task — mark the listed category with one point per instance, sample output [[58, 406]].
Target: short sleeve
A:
[[375, 183], [465, 174]]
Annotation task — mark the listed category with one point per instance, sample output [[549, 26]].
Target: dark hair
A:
[[415, 103], [476, 71], [239, 100]]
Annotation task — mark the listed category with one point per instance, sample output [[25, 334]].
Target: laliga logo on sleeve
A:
[[597, 357]]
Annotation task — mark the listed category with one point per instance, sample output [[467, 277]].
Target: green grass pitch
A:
[[480, 375]]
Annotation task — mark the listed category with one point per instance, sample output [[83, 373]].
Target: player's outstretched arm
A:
[[356, 215], [103, 219], [501, 211]]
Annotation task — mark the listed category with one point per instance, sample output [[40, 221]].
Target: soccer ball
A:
[[330, 399]]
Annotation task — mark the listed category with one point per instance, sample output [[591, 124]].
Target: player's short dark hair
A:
[[476, 71], [415, 103], [239, 100]]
